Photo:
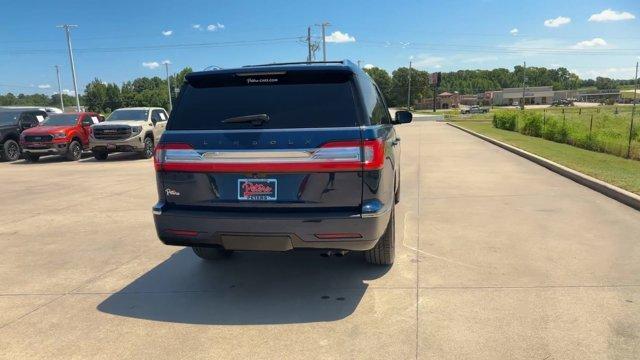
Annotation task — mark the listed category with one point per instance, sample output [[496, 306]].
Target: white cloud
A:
[[44, 86], [167, 32], [559, 21], [69, 92], [428, 61], [215, 27], [611, 15], [369, 66], [611, 72], [589, 44], [339, 37], [514, 31], [151, 65], [197, 26], [166, 62]]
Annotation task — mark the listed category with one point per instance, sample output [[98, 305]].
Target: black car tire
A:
[[11, 150], [31, 157], [148, 148], [212, 253], [74, 152], [100, 155], [385, 250]]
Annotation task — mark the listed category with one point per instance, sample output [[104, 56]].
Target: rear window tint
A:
[[287, 105]]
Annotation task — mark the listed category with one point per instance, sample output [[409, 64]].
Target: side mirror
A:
[[403, 117]]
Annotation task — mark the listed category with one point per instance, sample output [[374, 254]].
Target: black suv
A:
[[12, 123], [278, 157]]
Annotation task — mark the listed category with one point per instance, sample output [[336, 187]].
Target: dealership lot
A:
[[496, 258]]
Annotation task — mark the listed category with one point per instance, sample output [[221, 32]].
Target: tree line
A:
[[394, 86], [106, 97]]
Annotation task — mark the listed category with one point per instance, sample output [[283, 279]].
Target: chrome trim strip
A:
[[351, 128], [377, 214]]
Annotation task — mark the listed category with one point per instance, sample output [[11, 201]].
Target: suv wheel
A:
[[148, 148], [384, 251], [74, 153], [211, 253], [11, 150], [100, 155], [32, 157]]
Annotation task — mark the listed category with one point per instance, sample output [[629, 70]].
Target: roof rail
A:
[[300, 63]]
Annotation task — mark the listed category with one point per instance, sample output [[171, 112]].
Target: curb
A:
[[628, 198]]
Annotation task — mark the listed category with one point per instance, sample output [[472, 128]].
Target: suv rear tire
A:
[[384, 251], [11, 150], [31, 157], [148, 148], [100, 155], [211, 253], [74, 152]]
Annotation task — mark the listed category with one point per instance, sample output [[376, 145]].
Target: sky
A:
[[119, 40]]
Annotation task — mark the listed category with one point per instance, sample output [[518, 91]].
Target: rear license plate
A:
[[35, 145], [258, 189], [111, 146]]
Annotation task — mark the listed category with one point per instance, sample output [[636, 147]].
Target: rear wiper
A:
[[255, 120]]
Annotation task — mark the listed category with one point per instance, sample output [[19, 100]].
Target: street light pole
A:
[[59, 87], [324, 40], [633, 111], [409, 89], [524, 84], [66, 28], [166, 66]]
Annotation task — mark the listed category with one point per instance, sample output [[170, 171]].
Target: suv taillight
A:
[[353, 155]]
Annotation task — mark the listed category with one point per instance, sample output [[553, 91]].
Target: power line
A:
[[160, 47]]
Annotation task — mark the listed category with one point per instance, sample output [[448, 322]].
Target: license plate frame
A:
[[257, 189]]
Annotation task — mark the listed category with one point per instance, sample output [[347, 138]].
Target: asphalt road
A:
[[497, 258]]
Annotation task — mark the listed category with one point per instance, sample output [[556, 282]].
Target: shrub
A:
[[506, 120], [531, 124], [555, 130]]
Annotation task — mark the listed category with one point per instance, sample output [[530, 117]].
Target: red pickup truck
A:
[[60, 134]]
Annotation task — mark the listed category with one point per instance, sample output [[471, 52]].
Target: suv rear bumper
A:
[[273, 232]]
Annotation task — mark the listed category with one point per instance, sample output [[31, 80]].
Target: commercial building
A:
[[447, 100], [534, 95]]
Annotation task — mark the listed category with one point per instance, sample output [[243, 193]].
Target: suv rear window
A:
[[289, 105]]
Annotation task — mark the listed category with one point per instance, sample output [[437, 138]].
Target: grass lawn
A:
[[615, 170]]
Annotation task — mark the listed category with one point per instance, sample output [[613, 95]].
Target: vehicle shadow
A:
[[49, 159], [114, 157], [248, 288]]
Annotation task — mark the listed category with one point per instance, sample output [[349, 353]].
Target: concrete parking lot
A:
[[497, 258]]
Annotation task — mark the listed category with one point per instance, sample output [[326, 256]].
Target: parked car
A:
[[47, 109], [474, 109], [129, 130], [12, 123], [280, 157], [64, 134], [562, 102]]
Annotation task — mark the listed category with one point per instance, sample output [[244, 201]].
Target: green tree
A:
[[95, 96]]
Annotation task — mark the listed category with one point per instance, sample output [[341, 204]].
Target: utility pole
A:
[[309, 43], [359, 61], [633, 111], [66, 28], [524, 83], [59, 87], [409, 89], [166, 67], [324, 40]]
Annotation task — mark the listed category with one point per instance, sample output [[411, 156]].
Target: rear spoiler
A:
[[269, 76]]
